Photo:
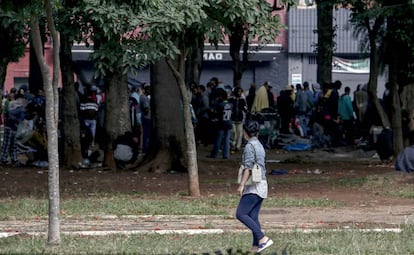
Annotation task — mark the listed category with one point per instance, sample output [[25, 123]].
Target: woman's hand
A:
[[240, 189]]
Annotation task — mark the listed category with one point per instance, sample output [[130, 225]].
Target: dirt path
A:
[[272, 219]]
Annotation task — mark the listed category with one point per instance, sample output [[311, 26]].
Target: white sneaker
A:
[[265, 245]]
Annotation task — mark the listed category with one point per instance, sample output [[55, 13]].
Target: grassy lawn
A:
[[120, 204], [335, 242], [344, 242]]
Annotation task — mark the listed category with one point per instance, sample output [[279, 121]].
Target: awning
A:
[[256, 52]]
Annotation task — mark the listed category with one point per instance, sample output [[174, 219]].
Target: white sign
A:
[[296, 78], [212, 56], [358, 66]]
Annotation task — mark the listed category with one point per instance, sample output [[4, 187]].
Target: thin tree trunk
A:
[[178, 71], [194, 186], [52, 113], [325, 41]]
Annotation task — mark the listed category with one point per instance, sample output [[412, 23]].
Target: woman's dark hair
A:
[[251, 127]]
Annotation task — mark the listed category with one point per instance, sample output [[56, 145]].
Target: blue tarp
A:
[[297, 147]]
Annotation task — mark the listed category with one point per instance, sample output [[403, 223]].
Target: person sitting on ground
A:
[[126, 148], [405, 159], [13, 116], [31, 138]]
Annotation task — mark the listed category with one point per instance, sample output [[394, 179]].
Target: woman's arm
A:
[[245, 176]]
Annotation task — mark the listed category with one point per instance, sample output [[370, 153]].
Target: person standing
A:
[[145, 108], [250, 97], [224, 126], [135, 111], [285, 107], [302, 109], [346, 115], [261, 99], [238, 115], [252, 196], [89, 113], [360, 104]]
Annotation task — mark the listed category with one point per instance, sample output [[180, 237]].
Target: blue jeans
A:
[[91, 124], [146, 134], [222, 134], [248, 213]]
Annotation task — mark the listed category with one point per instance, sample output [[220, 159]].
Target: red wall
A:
[[21, 68]]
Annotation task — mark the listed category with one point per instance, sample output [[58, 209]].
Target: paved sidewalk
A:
[[389, 218]]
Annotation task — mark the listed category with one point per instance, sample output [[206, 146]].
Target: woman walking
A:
[[252, 195]]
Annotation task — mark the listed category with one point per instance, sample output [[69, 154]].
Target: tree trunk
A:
[[166, 152], [70, 126], [396, 117], [236, 41], [52, 117], [407, 105], [194, 61], [374, 70], [191, 149], [117, 118], [35, 74], [325, 40], [397, 133], [4, 62]]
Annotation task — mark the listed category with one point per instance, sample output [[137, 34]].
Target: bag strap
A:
[[255, 159]]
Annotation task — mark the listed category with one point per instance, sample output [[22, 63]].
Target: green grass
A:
[[338, 242], [390, 186], [119, 204], [403, 192], [344, 242]]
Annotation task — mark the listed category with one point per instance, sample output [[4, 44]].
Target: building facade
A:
[[350, 63], [290, 60]]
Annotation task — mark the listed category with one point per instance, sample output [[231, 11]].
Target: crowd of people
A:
[[24, 134], [318, 112], [24, 140]]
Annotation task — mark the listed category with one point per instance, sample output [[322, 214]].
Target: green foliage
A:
[[256, 16], [13, 33], [365, 15], [131, 34]]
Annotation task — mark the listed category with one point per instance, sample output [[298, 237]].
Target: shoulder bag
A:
[[256, 172]]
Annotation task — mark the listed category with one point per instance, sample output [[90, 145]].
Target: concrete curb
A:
[[197, 232]]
